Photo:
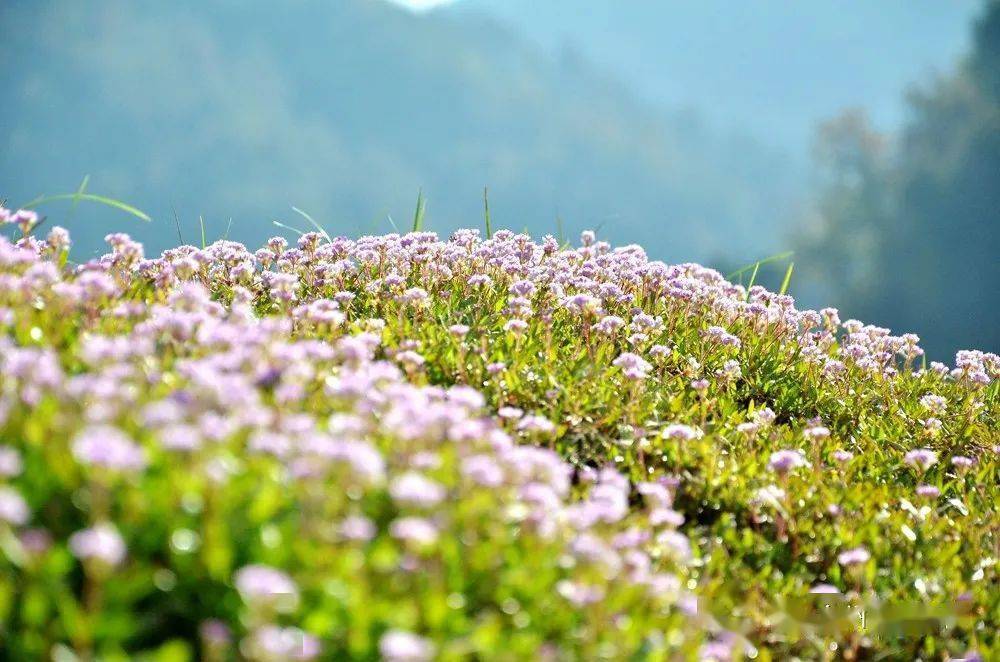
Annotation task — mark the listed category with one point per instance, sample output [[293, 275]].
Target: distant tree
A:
[[908, 230]]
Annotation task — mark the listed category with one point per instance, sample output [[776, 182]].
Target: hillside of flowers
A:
[[404, 447]]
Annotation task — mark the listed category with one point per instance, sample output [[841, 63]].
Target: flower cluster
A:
[[405, 447]]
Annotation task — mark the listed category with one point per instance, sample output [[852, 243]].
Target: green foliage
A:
[[761, 539], [88, 197]]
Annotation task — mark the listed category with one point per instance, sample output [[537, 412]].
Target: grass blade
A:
[[289, 227], [80, 191], [177, 224], [753, 277], [418, 215], [312, 222], [486, 212], [767, 260], [91, 197], [787, 279], [201, 221]]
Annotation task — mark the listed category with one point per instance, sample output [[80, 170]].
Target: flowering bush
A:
[[408, 448]]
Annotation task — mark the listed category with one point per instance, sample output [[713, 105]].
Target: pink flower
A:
[[414, 489], [842, 456], [853, 557], [415, 530], [13, 508], [921, 458], [357, 528], [928, 491], [261, 583], [101, 542], [402, 646], [108, 447], [785, 461], [632, 365], [681, 432]]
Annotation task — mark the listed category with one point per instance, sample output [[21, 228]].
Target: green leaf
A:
[[418, 214], [289, 227], [767, 260], [312, 222], [175, 650], [787, 279], [486, 212], [90, 197]]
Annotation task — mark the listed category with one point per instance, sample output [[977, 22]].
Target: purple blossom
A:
[[842, 456], [36, 541], [414, 530], [24, 219], [674, 544], [681, 432], [515, 326], [785, 461], [108, 447], [934, 404], [921, 458], [579, 594], [263, 584], [410, 359], [730, 370], [700, 385], [656, 493], [483, 470], [961, 462], [13, 508], [666, 516], [719, 650], [101, 542], [480, 280], [721, 336], [357, 528], [815, 432], [609, 324], [181, 438], [522, 288], [853, 557], [10, 462], [215, 632], [764, 416], [414, 489], [273, 642], [536, 423], [402, 646], [632, 365], [659, 351], [928, 491]]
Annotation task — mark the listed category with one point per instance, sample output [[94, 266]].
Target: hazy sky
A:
[[420, 5], [773, 68]]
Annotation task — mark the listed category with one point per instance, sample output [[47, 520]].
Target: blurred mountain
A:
[[238, 109], [774, 69]]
